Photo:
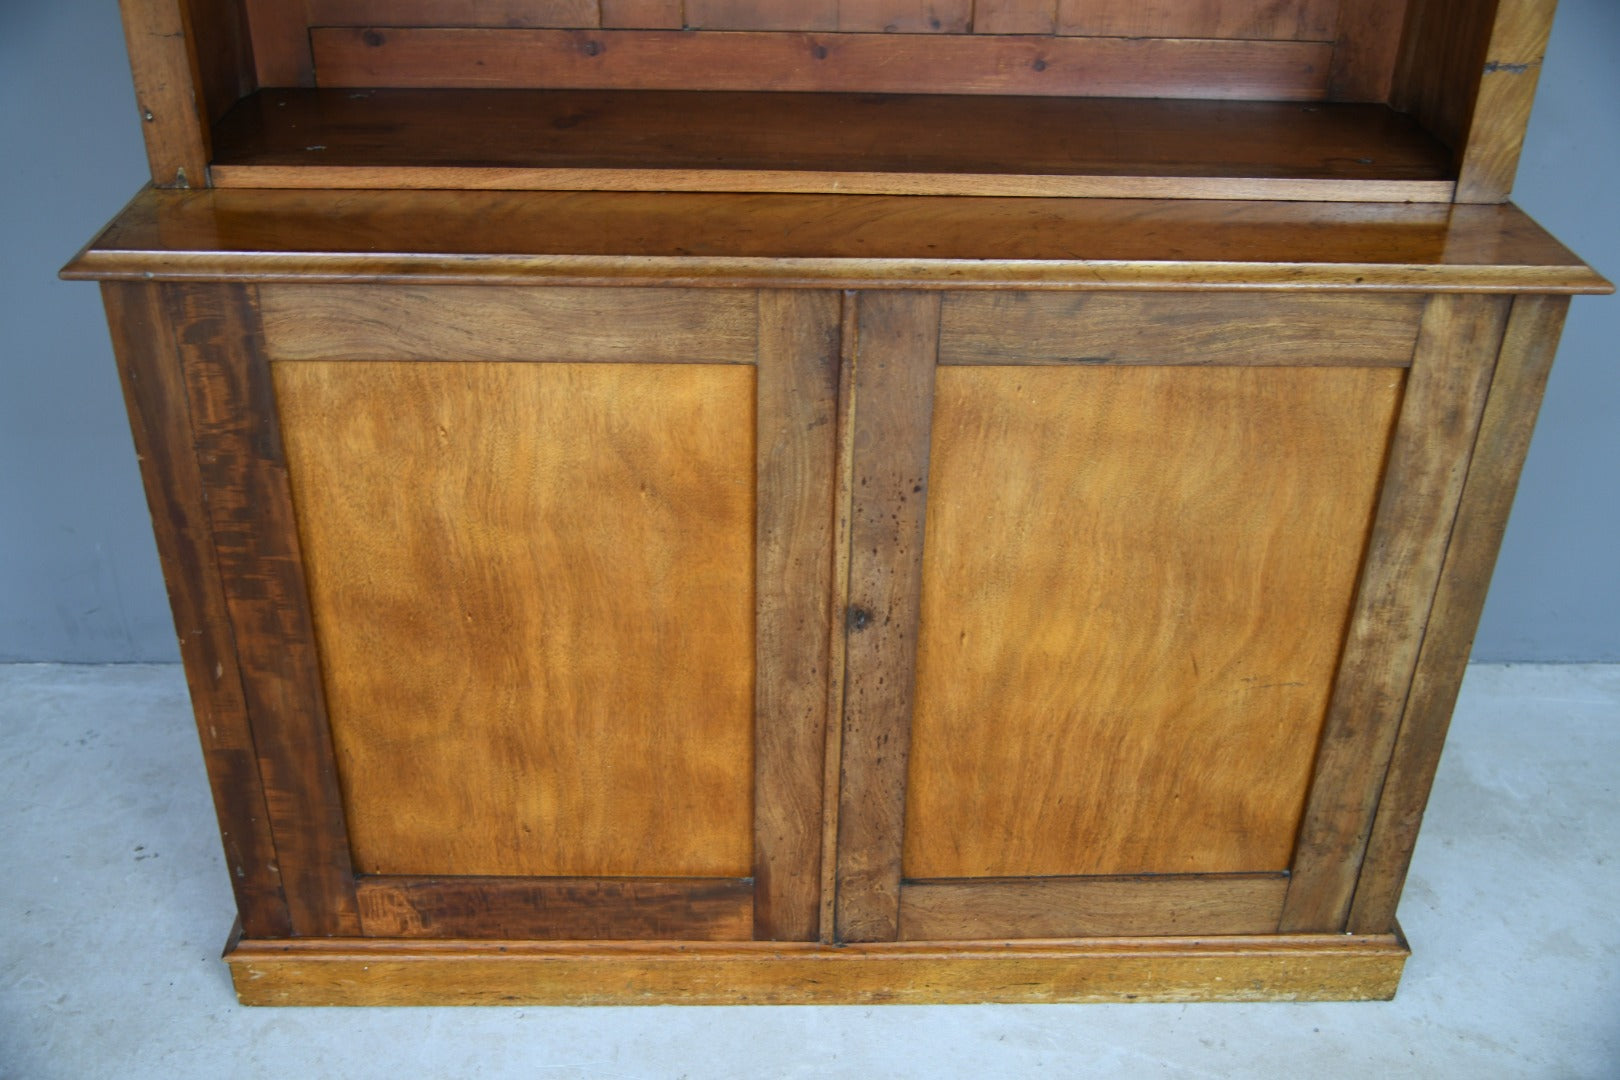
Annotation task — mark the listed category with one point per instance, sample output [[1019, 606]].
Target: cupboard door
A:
[[1134, 587], [530, 589]]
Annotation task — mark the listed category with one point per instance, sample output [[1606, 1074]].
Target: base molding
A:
[[350, 971]]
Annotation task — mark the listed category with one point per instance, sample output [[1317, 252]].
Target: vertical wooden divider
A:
[[894, 392], [174, 118], [1487, 497], [1428, 459], [244, 474], [797, 396]]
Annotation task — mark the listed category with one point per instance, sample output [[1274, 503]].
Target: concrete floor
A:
[[114, 905]]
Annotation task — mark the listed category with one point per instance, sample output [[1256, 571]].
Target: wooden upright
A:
[[861, 501]]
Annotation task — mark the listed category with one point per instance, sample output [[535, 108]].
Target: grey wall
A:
[[79, 576]]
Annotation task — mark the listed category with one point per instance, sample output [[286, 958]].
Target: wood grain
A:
[[1437, 75], [1323, 329], [579, 909], [1507, 89], [594, 238], [642, 14], [1493, 472], [1366, 48], [798, 398], [316, 322], [501, 13], [533, 589], [1428, 460], [838, 594], [160, 420], [244, 473], [280, 31], [168, 91], [1295, 20], [1132, 608], [224, 51], [907, 144], [893, 388], [1317, 968], [1159, 904], [1015, 16], [852, 63]]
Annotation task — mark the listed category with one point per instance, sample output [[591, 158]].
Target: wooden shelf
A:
[[848, 143]]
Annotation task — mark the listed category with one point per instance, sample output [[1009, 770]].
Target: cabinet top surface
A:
[[826, 241]]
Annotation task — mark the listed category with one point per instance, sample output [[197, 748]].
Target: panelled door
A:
[[530, 590], [1135, 587]]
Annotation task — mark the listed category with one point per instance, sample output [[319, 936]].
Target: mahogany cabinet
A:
[[881, 521]]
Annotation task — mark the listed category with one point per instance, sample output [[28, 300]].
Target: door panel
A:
[[1135, 587], [532, 593], [554, 622]]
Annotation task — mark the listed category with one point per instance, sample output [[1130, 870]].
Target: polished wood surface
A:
[[244, 471], [1505, 428], [893, 390], [143, 336], [799, 344], [902, 144], [420, 237], [545, 909], [850, 63], [533, 591], [1058, 907], [1417, 506], [1367, 329], [1132, 608], [665, 326], [1302, 968]]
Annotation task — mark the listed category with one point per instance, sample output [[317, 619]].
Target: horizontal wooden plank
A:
[[854, 63], [667, 909], [901, 144], [1327, 967], [503, 13], [317, 322], [1065, 907], [1301, 20], [853, 241], [1220, 328]]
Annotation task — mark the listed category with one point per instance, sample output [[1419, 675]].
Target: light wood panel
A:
[[893, 391], [550, 909], [1315, 968], [1507, 89], [318, 322], [1428, 460], [533, 589], [856, 63], [798, 394], [1157, 904], [1509, 419], [244, 470], [845, 241], [1357, 329], [1133, 603]]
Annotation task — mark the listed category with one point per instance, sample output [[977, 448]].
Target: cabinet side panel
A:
[[160, 420], [244, 472], [1493, 476], [798, 394], [1428, 460], [1135, 588], [894, 389], [533, 590]]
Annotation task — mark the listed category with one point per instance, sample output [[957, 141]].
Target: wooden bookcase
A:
[[879, 500]]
